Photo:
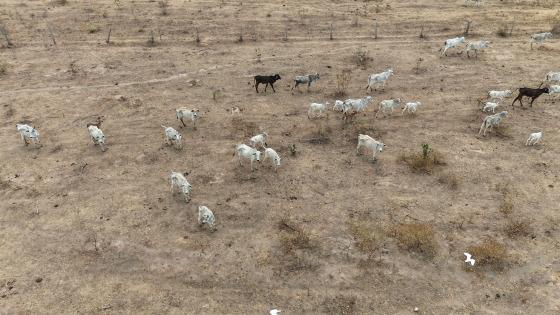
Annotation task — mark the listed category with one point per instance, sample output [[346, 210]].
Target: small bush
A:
[[94, 29], [556, 28], [503, 32], [517, 228], [365, 238], [340, 305], [294, 237], [362, 57], [59, 2], [3, 68], [342, 82], [490, 253], [415, 237], [449, 179], [506, 205], [423, 162]]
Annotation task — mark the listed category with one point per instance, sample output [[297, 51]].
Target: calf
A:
[[270, 154], [244, 151], [28, 133], [476, 46], [266, 79], [306, 79], [529, 92], [97, 137], [379, 78], [491, 121], [386, 105], [534, 138], [190, 114], [450, 43], [178, 180], [206, 217], [539, 38], [317, 110], [259, 139], [370, 144], [552, 76], [411, 107], [172, 136], [358, 105], [489, 106], [499, 95]]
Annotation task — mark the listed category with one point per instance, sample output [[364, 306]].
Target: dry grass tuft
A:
[[59, 2], [366, 239], [518, 228], [92, 29], [294, 237], [490, 253], [362, 58], [340, 305], [449, 179], [240, 126], [342, 82], [506, 205], [3, 68], [416, 237], [425, 161]]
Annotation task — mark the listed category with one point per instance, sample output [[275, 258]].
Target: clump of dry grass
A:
[[92, 29], [340, 305], [449, 179], [3, 68], [490, 253], [506, 205], [342, 82], [518, 228], [425, 161], [59, 2], [366, 239], [241, 126], [362, 57], [293, 236], [416, 237], [504, 31]]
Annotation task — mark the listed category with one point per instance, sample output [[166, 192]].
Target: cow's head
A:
[[277, 77]]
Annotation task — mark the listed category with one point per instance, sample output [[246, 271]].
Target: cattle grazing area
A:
[[280, 157]]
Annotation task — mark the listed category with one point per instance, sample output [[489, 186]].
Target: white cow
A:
[[476, 2], [534, 138], [190, 114], [178, 180], [490, 106], [370, 144], [97, 137], [540, 38], [206, 217], [492, 120], [28, 133], [554, 89], [476, 46], [172, 136], [386, 105], [358, 105], [552, 76], [259, 139], [270, 154], [317, 110], [411, 107], [379, 78], [244, 151], [341, 106], [450, 43], [499, 95]]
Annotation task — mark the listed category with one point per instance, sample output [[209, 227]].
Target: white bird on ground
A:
[[275, 312], [469, 259]]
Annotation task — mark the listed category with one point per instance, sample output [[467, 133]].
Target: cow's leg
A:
[[358, 149], [272, 85], [182, 122], [295, 86], [257, 86], [266, 86], [533, 99]]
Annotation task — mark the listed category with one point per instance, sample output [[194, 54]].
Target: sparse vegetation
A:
[[518, 228], [505, 31], [423, 162], [342, 81], [258, 55], [449, 179], [362, 57], [163, 5], [93, 29], [3, 68], [340, 305], [506, 204], [366, 238], [416, 237], [490, 253], [59, 2]]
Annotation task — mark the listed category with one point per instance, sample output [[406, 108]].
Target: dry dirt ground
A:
[[89, 232]]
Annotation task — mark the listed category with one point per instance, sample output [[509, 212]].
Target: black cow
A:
[[529, 92], [266, 79]]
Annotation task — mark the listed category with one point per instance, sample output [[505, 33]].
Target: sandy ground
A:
[[88, 232]]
